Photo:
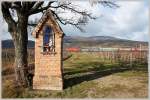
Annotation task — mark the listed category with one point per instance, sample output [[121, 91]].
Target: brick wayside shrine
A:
[[48, 54]]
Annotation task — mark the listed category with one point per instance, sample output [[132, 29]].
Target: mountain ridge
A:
[[80, 41]]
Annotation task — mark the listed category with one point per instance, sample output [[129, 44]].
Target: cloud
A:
[[130, 21], [132, 16]]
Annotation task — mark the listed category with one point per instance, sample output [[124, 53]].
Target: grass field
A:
[[86, 76]]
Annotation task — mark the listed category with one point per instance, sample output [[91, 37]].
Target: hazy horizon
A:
[[83, 37]]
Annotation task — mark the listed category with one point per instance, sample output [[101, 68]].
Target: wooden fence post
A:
[[131, 58]]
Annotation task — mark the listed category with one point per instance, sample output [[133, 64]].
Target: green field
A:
[[86, 76]]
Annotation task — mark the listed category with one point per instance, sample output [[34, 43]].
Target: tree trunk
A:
[[20, 39]]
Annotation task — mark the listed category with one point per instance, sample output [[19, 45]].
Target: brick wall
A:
[[48, 68]]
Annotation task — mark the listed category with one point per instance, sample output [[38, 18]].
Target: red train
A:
[[73, 49]]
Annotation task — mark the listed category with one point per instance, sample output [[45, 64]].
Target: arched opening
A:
[[48, 39]]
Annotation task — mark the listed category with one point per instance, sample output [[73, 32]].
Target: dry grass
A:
[[87, 76]]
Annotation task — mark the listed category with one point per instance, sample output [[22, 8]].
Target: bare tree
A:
[[17, 26]]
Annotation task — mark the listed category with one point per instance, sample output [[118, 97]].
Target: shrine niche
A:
[[48, 54]]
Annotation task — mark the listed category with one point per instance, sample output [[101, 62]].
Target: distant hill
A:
[[78, 41], [101, 41], [9, 44], [92, 38]]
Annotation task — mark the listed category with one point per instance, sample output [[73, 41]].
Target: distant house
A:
[[48, 54]]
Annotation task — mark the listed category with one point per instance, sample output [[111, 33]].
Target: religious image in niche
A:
[[48, 39]]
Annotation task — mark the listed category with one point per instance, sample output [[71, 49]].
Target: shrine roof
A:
[[47, 15]]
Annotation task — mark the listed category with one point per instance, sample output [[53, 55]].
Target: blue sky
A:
[[129, 21]]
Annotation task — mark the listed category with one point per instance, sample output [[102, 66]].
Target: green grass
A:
[[83, 73], [132, 73]]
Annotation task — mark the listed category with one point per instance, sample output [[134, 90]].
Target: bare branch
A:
[[31, 4], [57, 17], [108, 4], [24, 6], [7, 16], [61, 5], [16, 5], [32, 24], [70, 21], [71, 7], [38, 10], [84, 13], [36, 6]]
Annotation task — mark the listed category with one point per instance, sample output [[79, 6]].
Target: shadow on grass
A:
[[98, 70], [67, 57]]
